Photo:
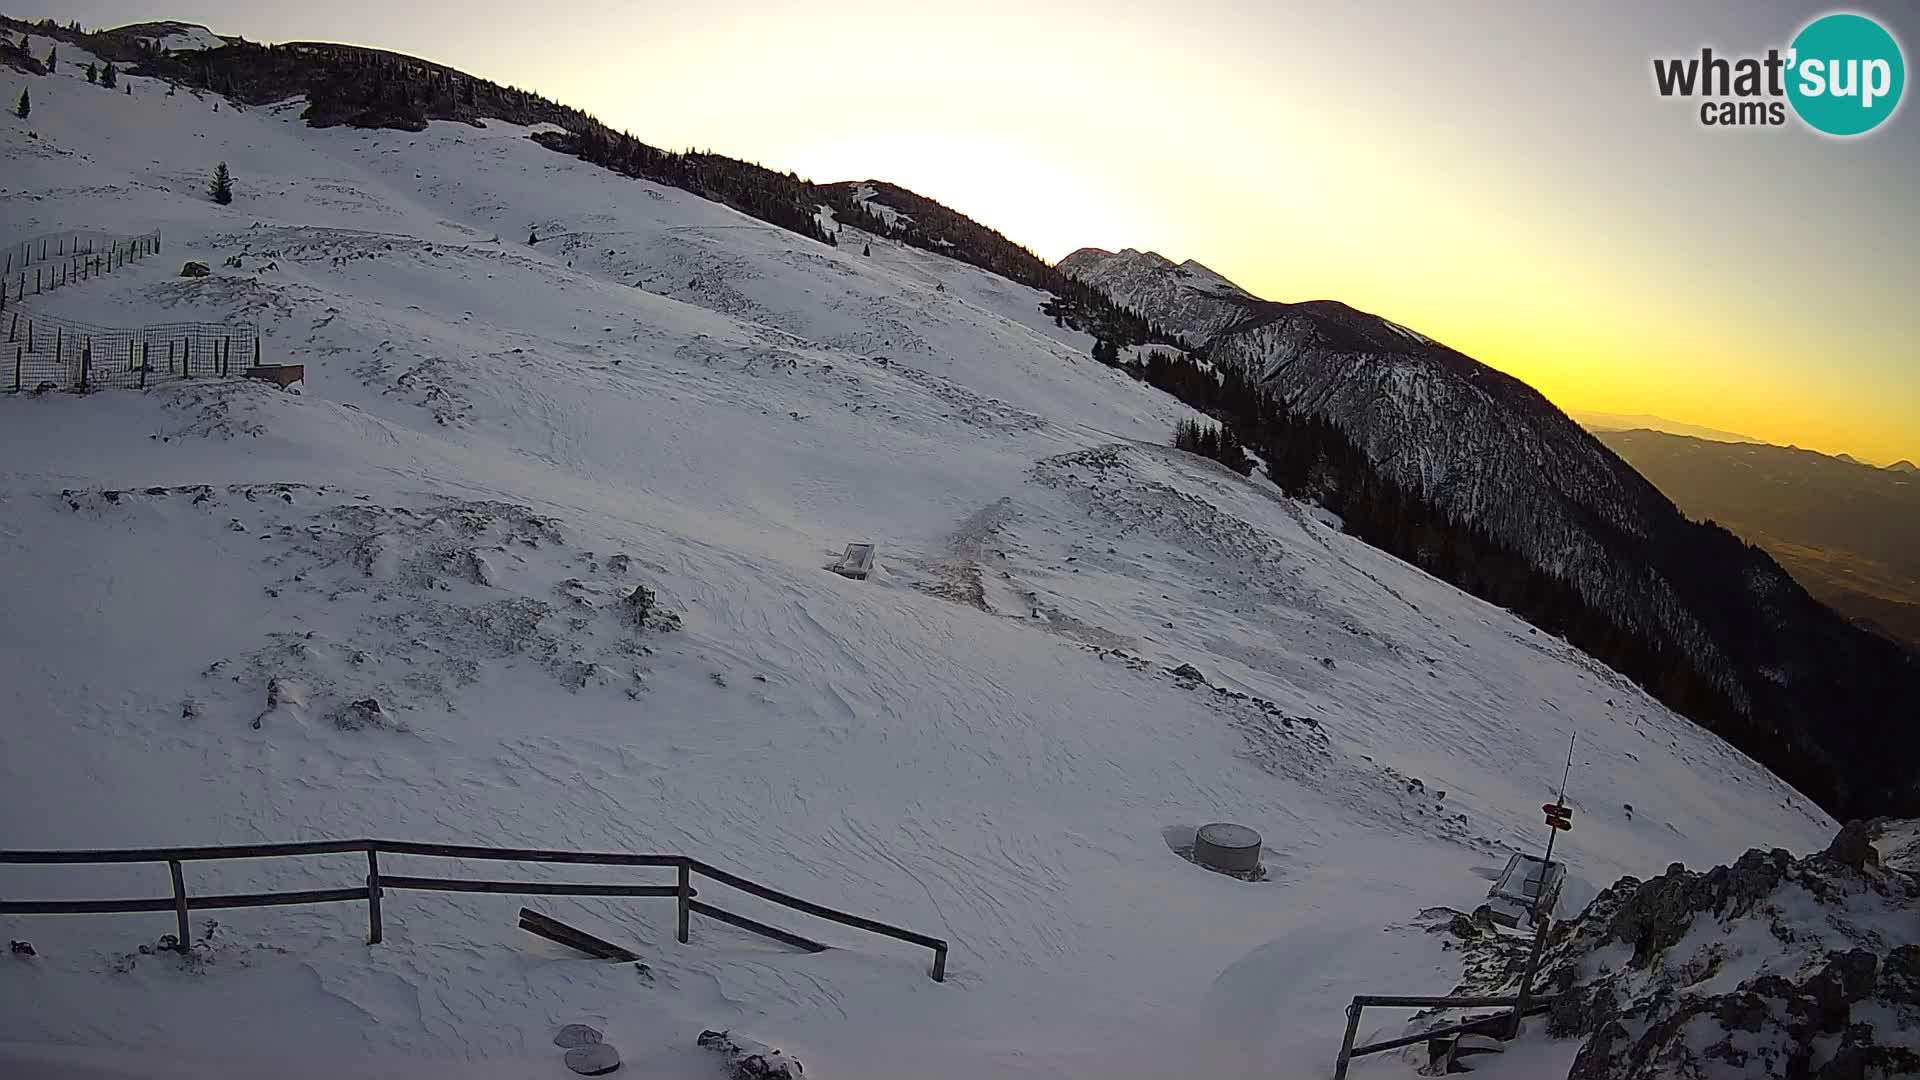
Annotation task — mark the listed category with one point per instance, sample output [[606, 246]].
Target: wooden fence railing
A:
[[1518, 1006], [182, 901]]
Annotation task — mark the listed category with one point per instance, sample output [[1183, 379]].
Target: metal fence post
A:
[[940, 964], [17, 352], [373, 895], [1346, 1044], [180, 904], [685, 897]]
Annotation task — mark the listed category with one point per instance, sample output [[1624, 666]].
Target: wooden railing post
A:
[[373, 895], [1526, 978], [180, 905], [1346, 1044], [685, 897]]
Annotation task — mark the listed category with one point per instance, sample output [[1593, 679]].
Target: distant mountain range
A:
[[1794, 684], [1846, 530], [1606, 421]]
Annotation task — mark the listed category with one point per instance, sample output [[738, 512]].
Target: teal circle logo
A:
[[1845, 74]]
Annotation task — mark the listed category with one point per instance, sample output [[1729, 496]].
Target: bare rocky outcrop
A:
[[1771, 967]]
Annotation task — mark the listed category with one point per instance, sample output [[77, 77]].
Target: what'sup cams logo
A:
[[1842, 75]]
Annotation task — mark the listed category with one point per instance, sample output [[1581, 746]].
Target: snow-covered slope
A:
[[497, 442], [1184, 298]]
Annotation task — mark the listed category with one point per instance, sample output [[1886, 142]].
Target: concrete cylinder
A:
[[1233, 848]]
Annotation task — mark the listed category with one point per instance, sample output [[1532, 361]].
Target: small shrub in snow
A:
[[24, 106], [195, 269]]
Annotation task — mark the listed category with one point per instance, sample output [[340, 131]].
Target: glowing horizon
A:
[[1505, 180]]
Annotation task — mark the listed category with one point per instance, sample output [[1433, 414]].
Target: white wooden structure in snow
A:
[[857, 563]]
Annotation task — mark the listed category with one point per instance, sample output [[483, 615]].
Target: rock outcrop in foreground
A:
[[1797, 969]]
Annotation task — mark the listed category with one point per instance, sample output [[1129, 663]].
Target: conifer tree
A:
[[93, 73], [866, 249], [53, 57], [222, 187], [25, 105], [109, 77]]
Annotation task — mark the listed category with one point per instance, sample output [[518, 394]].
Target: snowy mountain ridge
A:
[[1486, 451], [1186, 298], [1078, 645]]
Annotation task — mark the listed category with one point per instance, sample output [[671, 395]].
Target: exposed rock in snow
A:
[[1771, 967], [751, 1060], [596, 1059], [361, 715], [574, 1035]]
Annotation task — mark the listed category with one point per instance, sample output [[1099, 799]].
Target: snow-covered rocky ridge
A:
[[498, 442], [1770, 967], [1186, 298]]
